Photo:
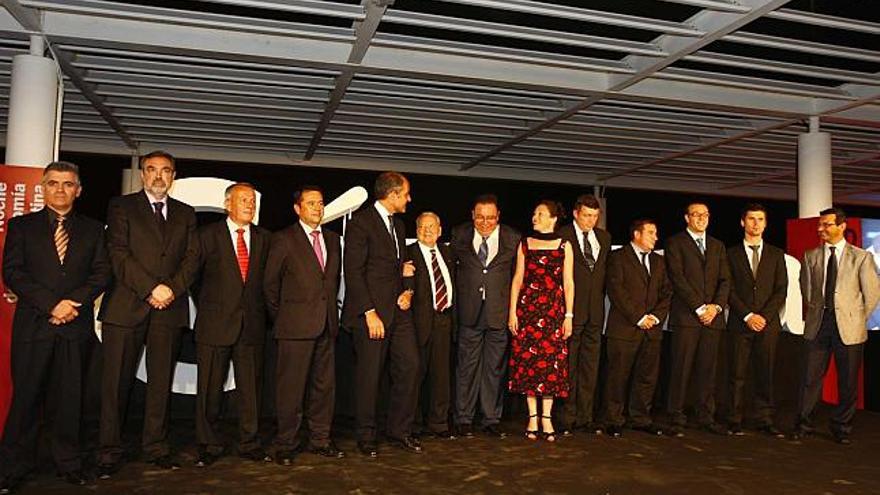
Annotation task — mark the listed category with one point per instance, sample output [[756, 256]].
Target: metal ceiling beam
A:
[[364, 32], [585, 15], [30, 20], [827, 21], [803, 46], [716, 24]]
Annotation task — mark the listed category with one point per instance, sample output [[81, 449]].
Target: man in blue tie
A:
[[698, 269], [484, 252]]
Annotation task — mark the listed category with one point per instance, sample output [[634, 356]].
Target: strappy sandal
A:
[[549, 436], [532, 434]]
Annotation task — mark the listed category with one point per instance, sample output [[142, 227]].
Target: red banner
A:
[[20, 193], [802, 234]]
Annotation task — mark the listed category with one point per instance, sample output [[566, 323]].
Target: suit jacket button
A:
[[485, 270]]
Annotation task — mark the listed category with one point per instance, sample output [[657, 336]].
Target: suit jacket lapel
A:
[[48, 237], [580, 257], [637, 263], [256, 243], [304, 243]]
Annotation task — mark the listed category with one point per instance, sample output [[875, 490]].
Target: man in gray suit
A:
[[840, 288]]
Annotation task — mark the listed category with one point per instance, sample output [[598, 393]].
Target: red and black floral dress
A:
[[539, 354]]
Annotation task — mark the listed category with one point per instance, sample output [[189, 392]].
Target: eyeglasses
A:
[[699, 215]]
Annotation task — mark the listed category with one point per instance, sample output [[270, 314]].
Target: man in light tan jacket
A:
[[840, 287]]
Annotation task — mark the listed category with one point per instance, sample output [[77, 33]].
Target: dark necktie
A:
[[830, 279], [588, 252], [701, 244], [157, 211], [391, 231], [644, 255], [441, 298], [755, 260], [241, 254], [61, 239], [483, 252]]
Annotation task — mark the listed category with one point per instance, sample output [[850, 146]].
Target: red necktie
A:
[[316, 245], [241, 253]]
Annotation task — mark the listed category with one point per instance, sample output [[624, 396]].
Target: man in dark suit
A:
[[592, 247], [154, 250], [759, 282], [640, 293], [484, 251], [700, 276], [433, 305], [55, 261], [231, 324], [301, 286], [840, 286], [376, 310]]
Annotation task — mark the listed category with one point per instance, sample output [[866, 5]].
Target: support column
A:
[[32, 125], [814, 171]]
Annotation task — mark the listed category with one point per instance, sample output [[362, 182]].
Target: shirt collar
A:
[[383, 212], [839, 246], [695, 235], [234, 226], [53, 215], [308, 229], [152, 199], [493, 234], [580, 231], [425, 247], [638, 250], [748, 246]]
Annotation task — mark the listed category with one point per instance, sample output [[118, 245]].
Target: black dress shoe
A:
[[801, 431], [841, 438], [329, 450], [714, 428], [165, 462], [285, 457], [10, 484], [76, 478], [614, 431], [409, 444], [466, 431], [770, 430], [593, 429], [256, 455], [735, 429], [443, 435], [650, 429], [368, 449], [494, 431], [675, 431], [206, 458], [106, 471]]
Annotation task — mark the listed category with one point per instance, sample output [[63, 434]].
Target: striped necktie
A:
[[441, 298], [61, 238]]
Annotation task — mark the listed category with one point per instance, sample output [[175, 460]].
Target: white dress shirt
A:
[[444, 271], [491, 241], [232, 226], [838, 253], [152, 199], [749, 259], [389, 225], [590, 237], [647, 264]]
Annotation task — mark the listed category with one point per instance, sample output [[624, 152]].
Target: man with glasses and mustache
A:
[[154, 250], [698, 269], [484, 252]]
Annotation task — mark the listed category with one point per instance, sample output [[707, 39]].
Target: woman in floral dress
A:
[[541, 312]]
